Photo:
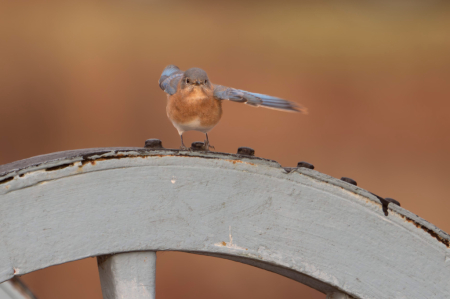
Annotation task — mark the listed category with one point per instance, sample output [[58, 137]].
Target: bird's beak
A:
[[198, 82]]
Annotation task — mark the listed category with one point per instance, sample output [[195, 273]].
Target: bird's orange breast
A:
[[196, 105]]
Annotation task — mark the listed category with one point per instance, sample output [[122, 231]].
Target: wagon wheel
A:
[[124, 204]]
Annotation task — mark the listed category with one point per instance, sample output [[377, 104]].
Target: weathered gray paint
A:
[[128, 275], [305, 225]]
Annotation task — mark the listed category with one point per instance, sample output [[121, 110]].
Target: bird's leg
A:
[[183, 147], [207, 145]]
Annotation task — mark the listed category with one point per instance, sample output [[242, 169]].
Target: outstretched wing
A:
[[255, 99], [169, 79]]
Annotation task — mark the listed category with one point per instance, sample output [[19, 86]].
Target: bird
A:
[[195, 103]]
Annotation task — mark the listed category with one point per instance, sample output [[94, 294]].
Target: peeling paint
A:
[[112, 154], [279, 254], [230, 243], [239, 161], [60, 158], [59, 167], [383, 204], [4, 181], [429, 231]]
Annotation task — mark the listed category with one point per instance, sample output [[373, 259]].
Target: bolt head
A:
[[349, 180], [391, 200], [153, 143], [305, 165], [198, 146], [246, 151]]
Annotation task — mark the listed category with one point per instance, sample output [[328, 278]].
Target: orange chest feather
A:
[[193, 106]]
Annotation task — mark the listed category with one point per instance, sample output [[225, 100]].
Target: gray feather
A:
[[169, 79], [255, 99]]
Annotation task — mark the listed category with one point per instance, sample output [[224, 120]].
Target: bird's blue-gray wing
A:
[[255, 99], [169, 79]]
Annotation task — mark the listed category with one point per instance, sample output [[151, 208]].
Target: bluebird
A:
[[195, 104]]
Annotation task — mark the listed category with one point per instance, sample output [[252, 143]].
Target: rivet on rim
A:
[[391, 200], [349, 180], [153, 143], [198, 146], [246, 151], [305, 165]]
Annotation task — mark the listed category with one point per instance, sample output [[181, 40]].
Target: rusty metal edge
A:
[[60, 160], [437, 233]]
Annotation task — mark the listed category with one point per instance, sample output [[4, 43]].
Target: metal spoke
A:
[[128, 275]]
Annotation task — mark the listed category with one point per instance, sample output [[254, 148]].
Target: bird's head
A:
[[195, 78]]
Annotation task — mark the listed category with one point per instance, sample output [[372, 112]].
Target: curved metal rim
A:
[[65, 158], [60, 162]]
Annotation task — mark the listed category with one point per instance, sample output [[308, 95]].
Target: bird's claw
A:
[[184, 148], [208, 146]]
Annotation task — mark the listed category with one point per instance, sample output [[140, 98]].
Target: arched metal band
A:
[[300, 223]]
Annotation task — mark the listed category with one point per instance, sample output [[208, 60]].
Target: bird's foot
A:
[[184, 148], [209, 147]]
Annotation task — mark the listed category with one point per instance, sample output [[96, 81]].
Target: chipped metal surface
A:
[[297, 222], [8, 171], [434, 231]]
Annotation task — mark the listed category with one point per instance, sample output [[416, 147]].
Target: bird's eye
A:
[[188, 81], [206, 81]]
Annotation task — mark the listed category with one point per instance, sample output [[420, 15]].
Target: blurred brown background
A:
[[375, 76]]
